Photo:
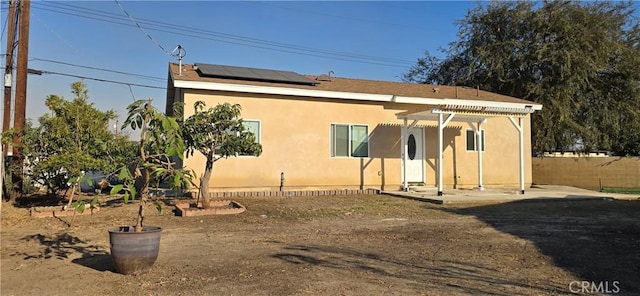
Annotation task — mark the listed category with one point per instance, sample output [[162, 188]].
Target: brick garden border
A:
[[218, 207], [227, 194], [59, 211]]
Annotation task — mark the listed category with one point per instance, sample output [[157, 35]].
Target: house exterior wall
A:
[[296, 141]]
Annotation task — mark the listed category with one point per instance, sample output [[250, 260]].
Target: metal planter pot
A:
[[134, 252]]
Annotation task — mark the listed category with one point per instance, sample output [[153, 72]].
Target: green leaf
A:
[[78, 205], [133, 192], [124, 174], [159, 207], [116, 189], [126, 197], [94, 202]]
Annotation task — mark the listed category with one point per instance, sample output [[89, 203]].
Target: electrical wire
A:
[[231, 36], [141, 28], [271, 4], [100, 79], [4, 27], [158, 79], [131, 91], [15, 43], [67, 9]]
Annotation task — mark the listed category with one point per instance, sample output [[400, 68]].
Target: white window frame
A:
[[349, 125], [475, 144]]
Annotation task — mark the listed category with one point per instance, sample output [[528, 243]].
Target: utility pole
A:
[[8, 82], [21, 95], [8, 70]]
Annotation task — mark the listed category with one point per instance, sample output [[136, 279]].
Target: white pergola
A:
[[475, 115]]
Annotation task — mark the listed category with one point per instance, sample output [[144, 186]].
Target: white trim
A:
[[348, 95], [349, 125], [281, 91], [470, 103]]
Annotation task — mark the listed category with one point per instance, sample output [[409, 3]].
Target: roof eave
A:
[[245, 88]]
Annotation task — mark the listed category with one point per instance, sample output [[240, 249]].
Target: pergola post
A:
[[403, 155], [442, 123], [480, 147], [519, 126], [440, 127]]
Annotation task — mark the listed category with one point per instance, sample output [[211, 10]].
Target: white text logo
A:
[[594, 287]]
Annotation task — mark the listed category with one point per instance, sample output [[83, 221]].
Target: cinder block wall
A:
[[587, 172]]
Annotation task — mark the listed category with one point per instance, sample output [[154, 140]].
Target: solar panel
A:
[[252, 74]]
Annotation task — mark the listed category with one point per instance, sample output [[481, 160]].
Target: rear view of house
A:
[[324, 132]]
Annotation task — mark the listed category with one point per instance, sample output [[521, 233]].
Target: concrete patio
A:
[[496, 195]]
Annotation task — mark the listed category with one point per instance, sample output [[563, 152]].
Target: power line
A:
[[270, 3], [54, 33], [141, 28], [98, 79], [159, 79], [4, 27], [67, 9]]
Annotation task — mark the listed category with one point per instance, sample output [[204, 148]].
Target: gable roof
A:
[[349, 88]]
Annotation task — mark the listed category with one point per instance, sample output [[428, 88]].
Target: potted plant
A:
[[135, 248]]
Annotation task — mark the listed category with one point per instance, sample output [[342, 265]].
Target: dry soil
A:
[[337, 245]]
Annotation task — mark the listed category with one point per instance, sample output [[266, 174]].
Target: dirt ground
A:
[[338, 245]]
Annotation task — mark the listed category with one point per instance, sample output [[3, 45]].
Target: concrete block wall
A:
[[587, 172]]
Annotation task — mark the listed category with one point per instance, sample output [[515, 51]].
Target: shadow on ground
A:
[[462, 277], [597, 240], [64, 246]]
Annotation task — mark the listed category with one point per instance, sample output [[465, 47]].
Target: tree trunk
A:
[[204, 182], [144, 193]]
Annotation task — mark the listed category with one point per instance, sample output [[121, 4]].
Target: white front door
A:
[[415, 155]]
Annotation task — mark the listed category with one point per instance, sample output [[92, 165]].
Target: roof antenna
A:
[[179, 52], [325, 77]]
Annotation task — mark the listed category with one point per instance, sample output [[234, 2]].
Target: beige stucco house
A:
[[322, 132]]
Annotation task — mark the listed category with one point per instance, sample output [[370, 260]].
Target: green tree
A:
[[30, 143], [160, 144], [72, 138], [217, 133], [575, 58]]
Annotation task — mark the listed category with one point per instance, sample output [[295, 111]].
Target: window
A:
[[349, 140], [254, 127], [471, 140], [251, 126]]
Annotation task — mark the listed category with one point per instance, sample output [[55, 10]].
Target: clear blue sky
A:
[[369, 40]]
